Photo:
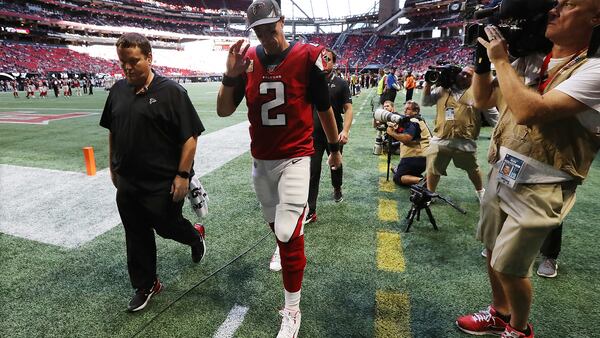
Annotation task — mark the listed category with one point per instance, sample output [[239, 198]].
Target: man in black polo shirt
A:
[[341, 102], [152, 142]]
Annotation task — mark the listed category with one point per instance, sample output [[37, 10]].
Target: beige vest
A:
[[467, 120], [564, 144], [416, 148]]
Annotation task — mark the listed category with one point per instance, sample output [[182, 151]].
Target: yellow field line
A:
[[392, 315], [383, 164], [389, 252], [388, 210], [386, 186]]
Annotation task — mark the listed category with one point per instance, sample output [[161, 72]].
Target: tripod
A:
[[421, 198], [391, 146]]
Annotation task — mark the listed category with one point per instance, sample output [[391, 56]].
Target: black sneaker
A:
[[142, 297], [199, 249], [337, 195]]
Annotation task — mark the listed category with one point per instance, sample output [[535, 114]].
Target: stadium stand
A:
[[77, 36]]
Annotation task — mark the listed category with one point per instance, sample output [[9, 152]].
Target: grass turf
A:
[[55, 292]]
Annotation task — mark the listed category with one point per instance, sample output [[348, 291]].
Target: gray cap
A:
[[262, 12]]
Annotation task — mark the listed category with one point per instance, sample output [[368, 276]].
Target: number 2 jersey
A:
[[280, 93]]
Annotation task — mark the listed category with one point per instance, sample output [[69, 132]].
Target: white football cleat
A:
[[275, 264], [290, 324]]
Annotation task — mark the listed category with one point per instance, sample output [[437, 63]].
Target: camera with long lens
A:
[[521, 22], [382, 115], [442, 75]]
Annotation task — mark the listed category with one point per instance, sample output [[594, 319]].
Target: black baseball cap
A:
[[262, 12]]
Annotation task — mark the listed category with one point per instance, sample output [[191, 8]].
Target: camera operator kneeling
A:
[[414, 136]]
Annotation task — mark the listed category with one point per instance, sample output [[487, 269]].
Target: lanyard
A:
[[544, 83]]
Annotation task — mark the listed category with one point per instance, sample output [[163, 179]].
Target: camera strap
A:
[[545, 80]]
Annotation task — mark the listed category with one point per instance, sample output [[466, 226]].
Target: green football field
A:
[[365, 277]]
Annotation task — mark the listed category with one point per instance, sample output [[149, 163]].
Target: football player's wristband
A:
[[229, 81], [334, 147]]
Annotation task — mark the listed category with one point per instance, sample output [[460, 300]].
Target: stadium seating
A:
[[42, 59]]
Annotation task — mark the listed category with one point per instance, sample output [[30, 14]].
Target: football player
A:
[[278, 78]]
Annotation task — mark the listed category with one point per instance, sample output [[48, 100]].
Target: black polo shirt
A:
[[149, 129], [339, 95]]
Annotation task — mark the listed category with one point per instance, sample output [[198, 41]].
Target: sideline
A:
[[69, 209]]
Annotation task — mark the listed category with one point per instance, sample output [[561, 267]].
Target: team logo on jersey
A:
[[152, 100], [250, 68]]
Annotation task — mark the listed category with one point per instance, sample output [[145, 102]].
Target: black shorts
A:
[[413, 166]]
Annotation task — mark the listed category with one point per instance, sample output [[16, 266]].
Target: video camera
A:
[[442, 75], [521, 22]]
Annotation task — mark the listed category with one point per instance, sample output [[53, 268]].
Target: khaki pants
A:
[[438, 158], [514, 223]]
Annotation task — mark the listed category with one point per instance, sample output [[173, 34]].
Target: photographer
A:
[[547, 137], [414, 136], [457, 126]]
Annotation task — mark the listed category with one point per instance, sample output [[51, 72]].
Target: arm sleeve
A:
[[240, 90], [318, 90]]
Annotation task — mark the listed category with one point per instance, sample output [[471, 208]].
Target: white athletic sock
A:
[[480, 194], [292, 300]]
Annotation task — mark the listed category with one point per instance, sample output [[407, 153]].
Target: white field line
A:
[[69, 209], [232, 322], [362, 106]]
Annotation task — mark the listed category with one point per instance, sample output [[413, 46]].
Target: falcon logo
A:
[[256, 7]]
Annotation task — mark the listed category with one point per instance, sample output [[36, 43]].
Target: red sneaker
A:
[[511, 332], [199, 249], [482, 323], [311, 217]]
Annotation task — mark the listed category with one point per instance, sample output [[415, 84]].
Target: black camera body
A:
[[442, 75], [420, 196], [521, 22]]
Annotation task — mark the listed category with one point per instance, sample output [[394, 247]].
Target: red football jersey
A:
[[279, 111]]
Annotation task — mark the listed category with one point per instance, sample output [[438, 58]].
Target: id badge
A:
[[510, 169], [450, 114]]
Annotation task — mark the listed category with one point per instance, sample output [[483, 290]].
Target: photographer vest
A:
[[564, 144], [416, 148], [465, 121]]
